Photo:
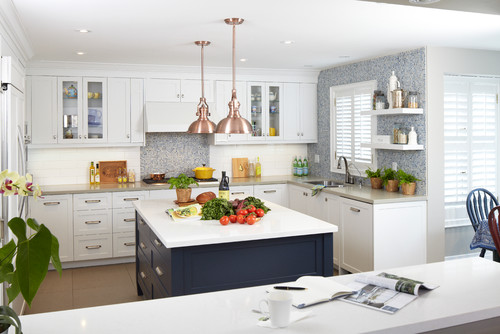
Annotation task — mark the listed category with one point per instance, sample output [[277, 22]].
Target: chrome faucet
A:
[[348, 177]]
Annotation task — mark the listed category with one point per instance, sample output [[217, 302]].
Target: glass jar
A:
[[380, 102], [396, 131], [412, 100]]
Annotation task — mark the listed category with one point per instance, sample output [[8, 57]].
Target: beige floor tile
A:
[[104, 296], [101, 276], [55, 283], [50, 302]]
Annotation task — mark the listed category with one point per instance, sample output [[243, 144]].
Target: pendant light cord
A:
[[234, 71], [202, 77]]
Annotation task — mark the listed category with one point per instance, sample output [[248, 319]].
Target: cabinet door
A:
[[330, 212], [291, 120], [357, 236], [94, 110], [275, 193], [56, 212], [308, 113], [257, 117], [137, 111], [191, 91], [43, 100], [274, 112], [69, 110], [119, 110], [221, 109], [163, 90], [297, 199]]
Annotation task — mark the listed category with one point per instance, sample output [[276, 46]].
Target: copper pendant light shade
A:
[[202, 124], [234, 123]]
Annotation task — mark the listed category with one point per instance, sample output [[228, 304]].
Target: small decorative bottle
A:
[[412, 137], [119, 176], [92, 173], [258, 168], [97, 175]]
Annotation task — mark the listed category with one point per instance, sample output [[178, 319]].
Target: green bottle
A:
[[299, 167], [305, 167], [294, 164]]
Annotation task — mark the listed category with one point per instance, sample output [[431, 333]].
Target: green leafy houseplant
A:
[[408, 182], [181, 184], [375, 178], [370, 173], [390, 180], [32, 253]]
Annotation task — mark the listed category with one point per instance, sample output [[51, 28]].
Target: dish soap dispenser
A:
[[412, 137]]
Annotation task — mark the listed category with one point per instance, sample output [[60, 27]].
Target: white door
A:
[[163, 90], [308, 112], [118, 110], [42, 108], [137, 111]]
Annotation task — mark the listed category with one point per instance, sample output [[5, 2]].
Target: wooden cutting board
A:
[[240, 167], [108, 170]]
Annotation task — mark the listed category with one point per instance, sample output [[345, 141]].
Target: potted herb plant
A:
[[181, 184], [375, 178], [408, 182], [32, 253], [390, 180]]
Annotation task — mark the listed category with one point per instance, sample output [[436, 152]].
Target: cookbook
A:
[[185, 213]]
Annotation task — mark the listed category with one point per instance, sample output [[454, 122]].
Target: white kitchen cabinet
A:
[[92, 222], [56, 212], [175, 90], [266, 111], [276, 193], [300, 120], [137, 111], [301, 199], [93, 247], [240, 192], [42, 109], [119, 110], [329, 211]]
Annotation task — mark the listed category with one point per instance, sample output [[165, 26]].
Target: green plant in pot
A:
[[181, 184], [390, 180], [375, 178], [408, 182], [32, 253]]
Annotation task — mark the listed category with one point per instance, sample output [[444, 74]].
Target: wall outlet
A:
[[316, 158], [395, 166]]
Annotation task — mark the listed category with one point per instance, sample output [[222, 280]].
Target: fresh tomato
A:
[[251, 219], [232, 218], [241, 219], [224, 220], [259, 212], [251, 209], [243, 212]]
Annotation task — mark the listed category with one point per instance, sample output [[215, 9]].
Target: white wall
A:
[[442, 61], [71, 165]]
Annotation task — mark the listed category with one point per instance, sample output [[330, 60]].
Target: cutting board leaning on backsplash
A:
[[240, 167]]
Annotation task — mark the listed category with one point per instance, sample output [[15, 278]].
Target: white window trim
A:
[[333, 155]]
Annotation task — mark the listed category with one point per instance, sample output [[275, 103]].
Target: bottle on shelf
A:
[[294, 166], [97, 174], [412, 137], [224, 186], [131, 176], [251, 169], [299, 167], [119, 176], [258, 168], [305, 167], [124, 175], [92, 173]]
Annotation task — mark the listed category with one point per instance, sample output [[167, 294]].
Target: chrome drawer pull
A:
[[129, 220], [238, 193], [158, 271], [143, 275], [143, 246], [131, 199], [93, 222], [51, 203], [129, 244], [141, 222], [269, 191], [93, 201], [158, 243], [355, 210], [93, 247]]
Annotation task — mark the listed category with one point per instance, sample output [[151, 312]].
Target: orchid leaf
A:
[[32, 223], [54, 255], [13, 290], [7, 252], [6, 272], [18, 226]]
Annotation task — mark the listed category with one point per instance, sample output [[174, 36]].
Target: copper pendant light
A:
[[202, 124], [234, 123]]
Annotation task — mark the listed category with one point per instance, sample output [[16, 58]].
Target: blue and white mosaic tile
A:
[[409, 67]]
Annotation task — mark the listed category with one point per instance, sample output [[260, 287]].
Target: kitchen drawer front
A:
[[144, 275], [123, 244], [126, 199], [92, 201], [144, 237], [92, 222], [123, 220], [93, 247], [240, 192], [161, 266], [275, 193]]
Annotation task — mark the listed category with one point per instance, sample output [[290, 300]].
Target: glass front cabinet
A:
[[82, 112], [266, 114]]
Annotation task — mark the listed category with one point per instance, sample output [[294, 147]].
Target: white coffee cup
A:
[[279, 305]]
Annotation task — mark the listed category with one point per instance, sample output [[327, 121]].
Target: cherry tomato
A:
[[259, 212], [243, 212], [251, 209], [241, 219], [224, 220], [232, 218], [251, 219]]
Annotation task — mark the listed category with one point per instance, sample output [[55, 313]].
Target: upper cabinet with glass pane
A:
[[266, 111]]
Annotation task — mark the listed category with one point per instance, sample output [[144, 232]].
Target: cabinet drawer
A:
[[271, 192], [123, 220], [93, 247], [144, 275], [125, 199], [161, 266], [124, 244], [92, 201], [144, 237], [240, 192], [92, 222]]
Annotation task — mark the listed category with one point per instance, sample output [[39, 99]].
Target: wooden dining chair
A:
[[479, 204], [493, 220]]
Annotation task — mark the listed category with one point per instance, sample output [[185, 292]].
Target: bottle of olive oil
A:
[[258, 168], [92, 173], [224, 186], [97, 174]]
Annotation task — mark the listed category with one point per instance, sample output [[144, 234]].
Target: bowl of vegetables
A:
[[247, 211]]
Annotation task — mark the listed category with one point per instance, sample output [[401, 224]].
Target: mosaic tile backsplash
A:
[[409, 67]]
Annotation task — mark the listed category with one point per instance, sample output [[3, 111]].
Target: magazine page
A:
[[185, 213], [397, 283]]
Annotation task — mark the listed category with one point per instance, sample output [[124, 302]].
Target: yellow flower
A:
[[11, 183]]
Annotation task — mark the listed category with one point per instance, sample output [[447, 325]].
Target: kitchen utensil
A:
[[203, 172], [157, 176], [398, 98], [240, 167], [109, 170]]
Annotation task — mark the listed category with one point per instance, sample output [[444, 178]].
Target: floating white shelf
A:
[[396, 111], [398, 147]]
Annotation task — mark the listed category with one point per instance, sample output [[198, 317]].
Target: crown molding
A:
[[13, 32]]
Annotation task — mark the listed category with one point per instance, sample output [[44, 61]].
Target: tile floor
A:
[[86, 287]]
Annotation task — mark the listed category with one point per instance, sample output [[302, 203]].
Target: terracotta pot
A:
[[376, 182], [392, 185], [408, 188], [183, 195]]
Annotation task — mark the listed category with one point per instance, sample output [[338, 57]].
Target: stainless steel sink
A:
[[327, 183]]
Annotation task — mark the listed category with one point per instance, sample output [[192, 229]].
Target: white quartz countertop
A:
[[278, 223], [467, 293]]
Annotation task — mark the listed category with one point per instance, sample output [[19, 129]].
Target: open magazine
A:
[[185, 213], [385, 292]]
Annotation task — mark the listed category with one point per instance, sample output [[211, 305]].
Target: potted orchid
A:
[[32, 253]]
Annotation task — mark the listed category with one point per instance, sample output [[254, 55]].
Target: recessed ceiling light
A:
[[83, 31], [80, 53], [287, 42], [423, 2], [243, 60]]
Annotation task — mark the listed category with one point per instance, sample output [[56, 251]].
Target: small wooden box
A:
[[108, 170]]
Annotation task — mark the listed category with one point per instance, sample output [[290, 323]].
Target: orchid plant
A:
[[32, 253]]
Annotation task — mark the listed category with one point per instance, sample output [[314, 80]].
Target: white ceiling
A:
[[163, 31]]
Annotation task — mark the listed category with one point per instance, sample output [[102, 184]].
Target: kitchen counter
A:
[[363, 194], [456, 302]]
